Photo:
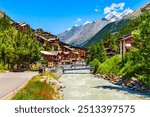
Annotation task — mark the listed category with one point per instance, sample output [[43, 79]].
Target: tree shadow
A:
[[124, 89]]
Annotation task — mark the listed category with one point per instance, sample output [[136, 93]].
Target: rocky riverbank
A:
[[83, 85], [56, 84], [133, 83]]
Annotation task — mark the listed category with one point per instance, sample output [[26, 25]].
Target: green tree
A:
[[17, 48], [47, 46], [142, 42], [97, 51]]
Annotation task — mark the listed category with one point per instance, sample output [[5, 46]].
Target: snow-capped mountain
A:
[[78, 35], [115, 16], [126, 12], [69, 33]]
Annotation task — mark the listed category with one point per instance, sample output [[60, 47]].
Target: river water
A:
[[82, 85]]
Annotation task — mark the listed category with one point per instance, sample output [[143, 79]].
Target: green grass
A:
[[36, 90]]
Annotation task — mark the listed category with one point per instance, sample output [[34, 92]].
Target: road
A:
[[11, 81], [81, 85]]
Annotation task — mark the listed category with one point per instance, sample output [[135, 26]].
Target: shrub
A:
[[95, 63], [145, 78], [3, 67], [110, 66], [131, 65]]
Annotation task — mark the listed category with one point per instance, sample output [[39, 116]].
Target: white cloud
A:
[[87, 22], [114, 7], [78, 20], [96, 10], [76, 25]]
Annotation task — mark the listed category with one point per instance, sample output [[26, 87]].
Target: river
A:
[[82, 85]]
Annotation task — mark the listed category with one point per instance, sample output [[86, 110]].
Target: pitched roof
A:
[[66, 52], [75, 52], [69, 48], [129, 36], [22, 23], [40, 36], [50, 53]]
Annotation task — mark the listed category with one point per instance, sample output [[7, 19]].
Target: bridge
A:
[[70, 68]]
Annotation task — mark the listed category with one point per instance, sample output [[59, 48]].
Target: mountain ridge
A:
[[89, 29], [80, 34], [115, 26], [113, 20]]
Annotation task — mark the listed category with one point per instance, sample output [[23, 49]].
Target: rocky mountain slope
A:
[[115, 26], [116, 16], [79, 35]]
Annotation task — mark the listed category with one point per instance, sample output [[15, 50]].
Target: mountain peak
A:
[[128, 10], [115, 16], [87, 22]]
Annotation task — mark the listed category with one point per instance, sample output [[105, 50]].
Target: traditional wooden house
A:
[[52, 57], [126, 44], [81, 51], [61, 53], [21, 26], [40, 38], [42, 33], [109, 52]]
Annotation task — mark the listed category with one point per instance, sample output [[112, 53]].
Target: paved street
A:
[[11, 81]]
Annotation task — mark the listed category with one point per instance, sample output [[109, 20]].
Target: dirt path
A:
[[81, 85]]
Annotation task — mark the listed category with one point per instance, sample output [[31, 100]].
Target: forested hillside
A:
[[136, 62], [114, 27], [16, 48], [110, 28]]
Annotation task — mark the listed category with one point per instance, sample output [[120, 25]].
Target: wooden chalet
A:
[[52, 57], [109, 52], [61, 53], [126, 44], [21, 26], [82, 52]]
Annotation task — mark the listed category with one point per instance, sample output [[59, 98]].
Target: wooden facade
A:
[[126, 44], [109, 52], [61, 53], [21, 26]]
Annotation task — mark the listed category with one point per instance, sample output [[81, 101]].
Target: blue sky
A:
[[56, 16]]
